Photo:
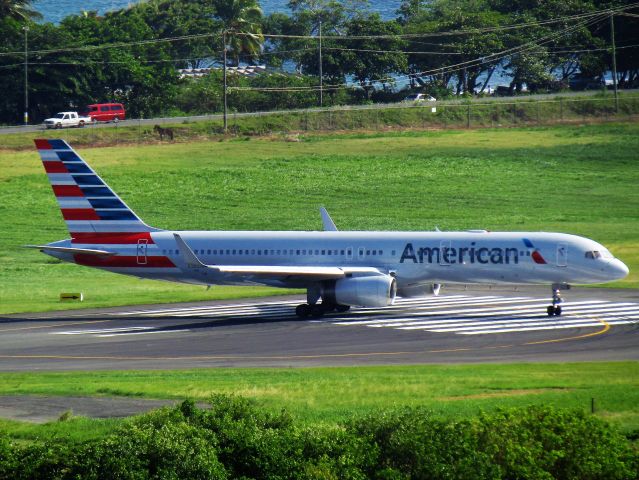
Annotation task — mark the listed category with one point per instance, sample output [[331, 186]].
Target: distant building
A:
[[245, 71]]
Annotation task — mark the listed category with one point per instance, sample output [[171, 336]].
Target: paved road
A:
[[458, 326], [198, 118]]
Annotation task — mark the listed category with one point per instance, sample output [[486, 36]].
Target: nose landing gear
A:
[[555, 308]]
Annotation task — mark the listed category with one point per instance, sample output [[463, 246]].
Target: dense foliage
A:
[[235, 439], [117, 57]]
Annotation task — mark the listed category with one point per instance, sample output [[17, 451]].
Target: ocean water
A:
[[56, 10]]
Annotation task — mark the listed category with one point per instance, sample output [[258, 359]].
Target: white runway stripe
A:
[[479, 316], [458, 314]]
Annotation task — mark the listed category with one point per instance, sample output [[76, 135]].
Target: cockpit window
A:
[[594, 254]]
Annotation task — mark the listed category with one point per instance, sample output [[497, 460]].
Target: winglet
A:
[[329, 225], [190, 259]]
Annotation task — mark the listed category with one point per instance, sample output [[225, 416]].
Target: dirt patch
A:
[[504, 393], [42, 409]]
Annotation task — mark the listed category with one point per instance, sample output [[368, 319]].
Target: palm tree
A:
[[18, 9], [242, 26]]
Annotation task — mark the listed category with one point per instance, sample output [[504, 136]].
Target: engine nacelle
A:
[[369, 291]]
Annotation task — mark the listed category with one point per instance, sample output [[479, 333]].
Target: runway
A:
[[458, 326]]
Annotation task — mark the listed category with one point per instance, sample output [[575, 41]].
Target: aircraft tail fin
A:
[[91, 209]]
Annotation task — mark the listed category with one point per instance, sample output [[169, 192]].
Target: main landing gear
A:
[[314, 309], [318, 309], [555, 308]]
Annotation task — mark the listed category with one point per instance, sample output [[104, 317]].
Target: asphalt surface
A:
[[42, 409], [459, 326]]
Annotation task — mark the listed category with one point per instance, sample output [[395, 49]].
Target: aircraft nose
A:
[[617, 269]]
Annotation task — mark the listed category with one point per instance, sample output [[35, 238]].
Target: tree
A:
[[18, 10], [465, 56], [242, 26], [374, 60], [169, 18]]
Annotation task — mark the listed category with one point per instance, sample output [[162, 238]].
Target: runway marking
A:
[[458, 314], [49, 326], [299, 357], [118, 332]]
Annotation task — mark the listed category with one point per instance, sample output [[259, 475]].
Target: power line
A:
[[492, 58]]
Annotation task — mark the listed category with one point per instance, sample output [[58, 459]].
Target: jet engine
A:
[[369, 291]]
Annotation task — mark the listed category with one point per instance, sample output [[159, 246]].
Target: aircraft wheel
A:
[[342, 308], [317, 311], [557, 311], [550, 310], [303, 310]]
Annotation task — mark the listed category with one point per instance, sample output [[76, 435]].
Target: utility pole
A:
[[614, 61], [224, 70], [26, 75], [320, 63]]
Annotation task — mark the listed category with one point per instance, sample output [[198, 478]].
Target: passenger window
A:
[[342, 252], [104, 109]]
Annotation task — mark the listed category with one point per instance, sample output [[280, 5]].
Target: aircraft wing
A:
[[277, 272]]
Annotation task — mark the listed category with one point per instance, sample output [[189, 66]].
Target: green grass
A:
[[329, 395], [577, 179], [76, 429]]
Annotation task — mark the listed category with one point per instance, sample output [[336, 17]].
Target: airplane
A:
[[338, 269]]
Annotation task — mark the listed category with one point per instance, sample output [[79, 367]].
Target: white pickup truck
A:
[[66, 119]]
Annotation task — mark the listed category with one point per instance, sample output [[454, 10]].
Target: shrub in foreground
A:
[[235, 439]]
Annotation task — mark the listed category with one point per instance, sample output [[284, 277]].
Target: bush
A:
[[237, 439], [413, 444], [542, 442]]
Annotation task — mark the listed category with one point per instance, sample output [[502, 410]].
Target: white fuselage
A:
[[413, 258]]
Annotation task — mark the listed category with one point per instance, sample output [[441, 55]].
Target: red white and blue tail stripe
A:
[[92, 211]]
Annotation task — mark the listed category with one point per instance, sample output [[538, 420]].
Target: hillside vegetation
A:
[[577, 179]]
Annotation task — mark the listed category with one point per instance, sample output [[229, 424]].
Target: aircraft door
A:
[[562, 255], [141, 254]]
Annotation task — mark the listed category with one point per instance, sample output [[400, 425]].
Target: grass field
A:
[[576, 179], [329, 395]]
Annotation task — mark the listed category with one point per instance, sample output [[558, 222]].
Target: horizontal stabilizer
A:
[[83, 251]]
